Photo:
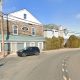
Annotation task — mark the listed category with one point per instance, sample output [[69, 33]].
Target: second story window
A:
[[25, 16], [33, 31], [15, 30], [25, 28]]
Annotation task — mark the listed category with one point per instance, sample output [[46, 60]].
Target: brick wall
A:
[[8, 28]]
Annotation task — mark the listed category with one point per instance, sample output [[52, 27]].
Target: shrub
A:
[[72, 42], [53, 43], [79, 41]]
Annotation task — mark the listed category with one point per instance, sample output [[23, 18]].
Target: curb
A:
[[44, 52], [58, 50]]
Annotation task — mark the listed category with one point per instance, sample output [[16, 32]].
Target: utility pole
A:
[[2, 29]]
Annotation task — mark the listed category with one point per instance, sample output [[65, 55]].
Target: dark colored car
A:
[[28, 51]]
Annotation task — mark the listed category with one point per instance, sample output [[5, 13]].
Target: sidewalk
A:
[[9, 55], [1, 56]]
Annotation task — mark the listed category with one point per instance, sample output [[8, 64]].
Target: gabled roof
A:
[[19, 15]]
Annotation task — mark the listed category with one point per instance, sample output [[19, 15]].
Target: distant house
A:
[[59, 31], [49, 33], [21, 29]]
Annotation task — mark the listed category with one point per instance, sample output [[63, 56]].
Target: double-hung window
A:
[[15, 30], [33, 31]]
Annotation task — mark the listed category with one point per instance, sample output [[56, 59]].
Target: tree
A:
[[72, 42]]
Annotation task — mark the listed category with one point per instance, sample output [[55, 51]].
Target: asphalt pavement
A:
[[49, 65], [74, 67]]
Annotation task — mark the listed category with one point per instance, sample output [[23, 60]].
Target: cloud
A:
[[78, 16]]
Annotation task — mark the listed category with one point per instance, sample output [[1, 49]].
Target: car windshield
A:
[[26, 48]]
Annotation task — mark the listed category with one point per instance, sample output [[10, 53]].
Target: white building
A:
[[62, 32], [50, 33]]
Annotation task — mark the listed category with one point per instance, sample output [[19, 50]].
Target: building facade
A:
[[60, 32], [21, 30], [49, 33]]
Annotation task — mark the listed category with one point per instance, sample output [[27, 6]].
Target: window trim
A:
[[34, 31], [27, 29], [14, 29]]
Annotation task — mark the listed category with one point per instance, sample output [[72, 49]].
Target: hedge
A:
[[53, 43]]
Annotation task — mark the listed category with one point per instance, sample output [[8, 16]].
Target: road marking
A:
[[63, 69], [64, 64], [64, 77], [69, 78]]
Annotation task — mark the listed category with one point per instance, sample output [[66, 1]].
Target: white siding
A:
[[20, 14], [14, 47], [24, 44], [55, 33], [51, 33], [48, 34], [32, 43], [40, 45]]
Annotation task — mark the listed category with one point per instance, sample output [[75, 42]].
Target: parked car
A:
[[28, 51]]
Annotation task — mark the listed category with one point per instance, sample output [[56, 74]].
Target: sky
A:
[[60, 12]]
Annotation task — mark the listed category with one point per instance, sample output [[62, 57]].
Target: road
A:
[[52, 65]]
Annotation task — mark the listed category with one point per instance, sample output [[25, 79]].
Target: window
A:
[[33, 31], [53, 32], [25, 16], [65, 32], [25, 29], [15, 30], [56, 31]]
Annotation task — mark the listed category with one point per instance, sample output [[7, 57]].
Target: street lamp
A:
[[2, 31]]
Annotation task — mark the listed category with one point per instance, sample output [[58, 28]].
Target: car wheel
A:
[[23, 55], [37, 53]]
